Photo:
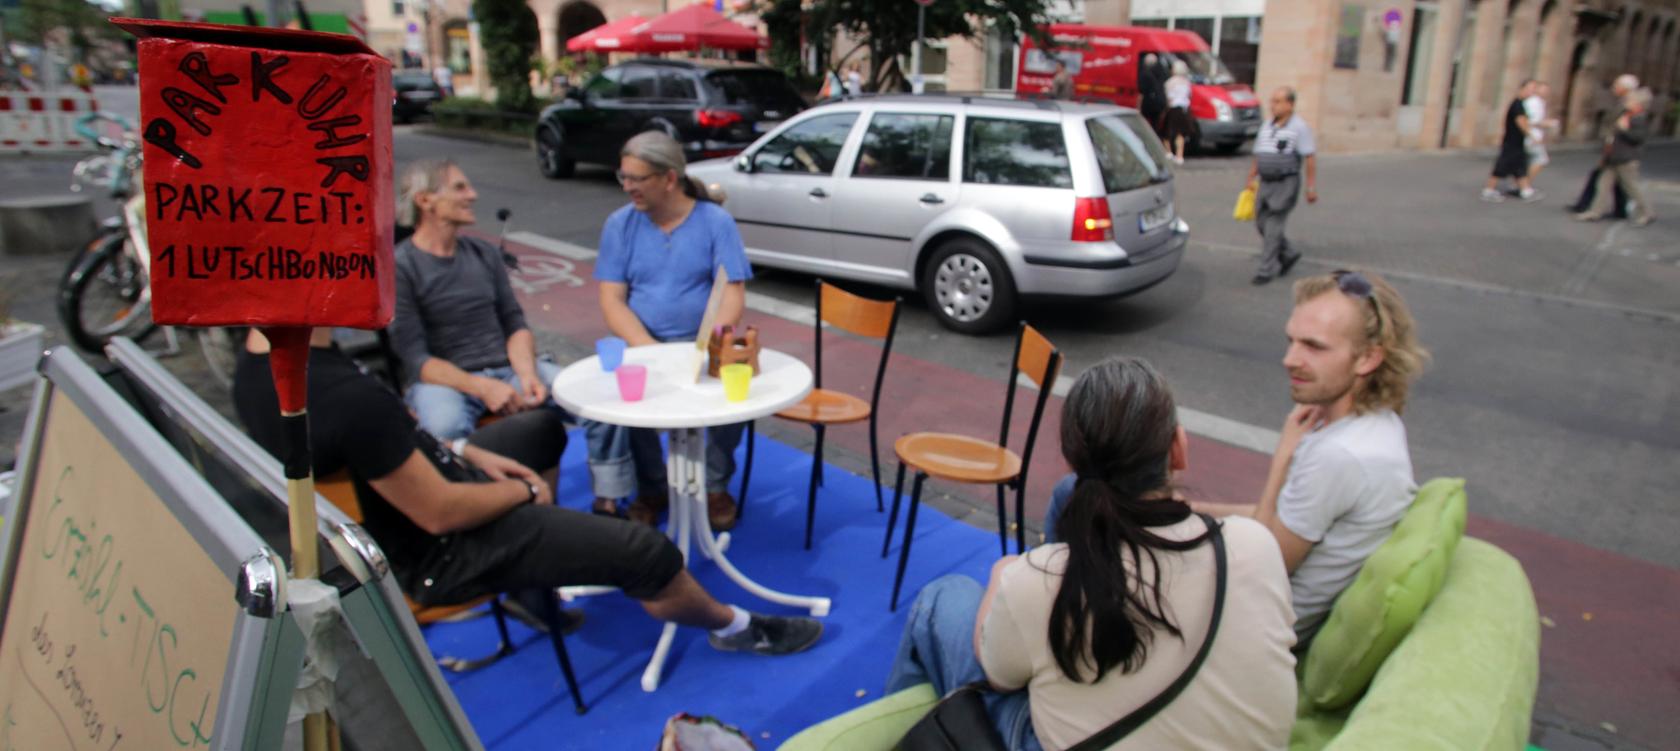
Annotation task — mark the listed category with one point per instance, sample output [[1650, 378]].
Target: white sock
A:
[[736, 626]]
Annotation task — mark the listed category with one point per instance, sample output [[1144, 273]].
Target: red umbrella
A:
[[691, 28], [609, 37]]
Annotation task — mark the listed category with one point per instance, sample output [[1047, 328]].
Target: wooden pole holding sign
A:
[[268, 201]]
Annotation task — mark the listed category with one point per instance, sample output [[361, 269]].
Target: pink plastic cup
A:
[[632, 382]]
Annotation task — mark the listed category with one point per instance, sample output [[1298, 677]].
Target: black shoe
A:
[[1289, 263], [1260, 279], [771, 635]]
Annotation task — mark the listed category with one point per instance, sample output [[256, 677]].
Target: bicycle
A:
[[106, 289]]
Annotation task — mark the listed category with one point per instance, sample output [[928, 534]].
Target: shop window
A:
[[1422, 50], [1239, 46], [1156, 23], [1000, 61], [1202, 26]]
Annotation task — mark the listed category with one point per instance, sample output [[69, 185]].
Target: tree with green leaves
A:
[[888, 27], [33, 20], [508, 31]]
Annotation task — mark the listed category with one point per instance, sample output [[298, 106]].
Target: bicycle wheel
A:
[[220, 347], [103, 295]]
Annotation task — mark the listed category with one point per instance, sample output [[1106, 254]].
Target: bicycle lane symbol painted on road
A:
[[540, 272]]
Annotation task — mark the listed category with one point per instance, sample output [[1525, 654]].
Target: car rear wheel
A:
[[551, 156], [968, 287]]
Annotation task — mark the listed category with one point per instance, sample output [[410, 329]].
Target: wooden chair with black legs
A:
[[859, 316], [340, 490], [959, 458]]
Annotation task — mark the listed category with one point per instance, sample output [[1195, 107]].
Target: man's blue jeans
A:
[[938, 648], [1058, 499], [449, 414], [623, 461]]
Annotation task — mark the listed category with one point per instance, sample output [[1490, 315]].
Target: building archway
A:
[[576, 17]]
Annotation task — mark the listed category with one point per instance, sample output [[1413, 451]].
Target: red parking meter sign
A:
[[267, 176]]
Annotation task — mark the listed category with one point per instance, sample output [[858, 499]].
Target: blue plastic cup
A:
[[611, 352]]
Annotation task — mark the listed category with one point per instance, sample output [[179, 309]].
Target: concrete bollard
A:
[[41, 225]]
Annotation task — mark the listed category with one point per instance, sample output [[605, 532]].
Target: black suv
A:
[[712, 109], [416, 92]]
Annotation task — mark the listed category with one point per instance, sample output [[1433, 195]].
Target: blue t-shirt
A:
[[670, 276]]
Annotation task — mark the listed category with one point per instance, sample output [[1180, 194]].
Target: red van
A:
[[1104, 60]]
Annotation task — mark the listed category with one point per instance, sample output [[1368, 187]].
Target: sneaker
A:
[[1587, 216], [1260, 279], [1644, 220], [1492, 196], [721, 511], [606, 507], [771, 635], [1531, 195]]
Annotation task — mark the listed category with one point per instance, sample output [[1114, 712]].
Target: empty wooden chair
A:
[[960, 458], [860, 316]]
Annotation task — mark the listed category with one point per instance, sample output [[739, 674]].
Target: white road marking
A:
[[1224, 430]]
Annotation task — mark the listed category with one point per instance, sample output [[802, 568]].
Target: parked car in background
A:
[[977, 203], [416, 91], [1104, 60], [713, 108]]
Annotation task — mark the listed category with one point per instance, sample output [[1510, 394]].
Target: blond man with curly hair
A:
[[1341, 477]]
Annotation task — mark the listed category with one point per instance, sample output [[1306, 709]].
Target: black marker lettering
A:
[[167, 256], [343, 206], [197, 67], [233, 252], [330, 139], [158, 201], [300, 212], [207, 198], [354, 166], [189, 202], [262, 78], [237, 203], [162, 134], [312, 112], [273, 214], [186, 107]]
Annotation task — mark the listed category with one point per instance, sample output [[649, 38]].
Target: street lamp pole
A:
[[916, 52]]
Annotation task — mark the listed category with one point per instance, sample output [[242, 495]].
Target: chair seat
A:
[[424, 615], [827, 408], [958, 457]]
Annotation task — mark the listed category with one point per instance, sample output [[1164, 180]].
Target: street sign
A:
[[1391, 20]]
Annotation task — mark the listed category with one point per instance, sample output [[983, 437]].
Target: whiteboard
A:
[[121, 624]]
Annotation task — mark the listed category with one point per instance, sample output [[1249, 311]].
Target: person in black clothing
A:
[[1152, 92], [1512, 162], [461, 522], [1620, 165]]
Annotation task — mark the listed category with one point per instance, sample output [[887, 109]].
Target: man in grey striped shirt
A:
[[1283, 149]]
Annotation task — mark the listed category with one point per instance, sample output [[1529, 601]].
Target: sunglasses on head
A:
[[1359, 287]]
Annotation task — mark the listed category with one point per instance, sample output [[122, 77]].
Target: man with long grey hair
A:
[[658, 257], [458, 330]]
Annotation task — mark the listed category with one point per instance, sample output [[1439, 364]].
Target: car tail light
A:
[[1091, 222], [717, 118]]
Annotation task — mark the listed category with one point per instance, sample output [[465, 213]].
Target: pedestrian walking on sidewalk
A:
[[1177, 126], [1061, 84], [1512, 162], [1539, 124], [1283, 149], [1624, 85], [1620, 166]]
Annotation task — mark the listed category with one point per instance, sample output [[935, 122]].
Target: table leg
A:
[[650, 676]]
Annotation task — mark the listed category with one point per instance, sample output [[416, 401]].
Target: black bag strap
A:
[[1114, 733]]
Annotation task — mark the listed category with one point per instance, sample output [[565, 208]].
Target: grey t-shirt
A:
[[1348, 485], [460, 309]]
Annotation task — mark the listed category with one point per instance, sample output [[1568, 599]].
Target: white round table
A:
[[676, 403]]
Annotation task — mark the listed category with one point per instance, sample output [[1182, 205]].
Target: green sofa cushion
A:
[[1377, 611], [876, 725], [1466, 677]]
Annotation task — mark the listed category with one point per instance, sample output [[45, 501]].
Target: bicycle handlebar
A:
[[84, 126]]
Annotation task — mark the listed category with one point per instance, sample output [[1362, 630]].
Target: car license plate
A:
[[765, 126], [1155, 218], [1251, 130]]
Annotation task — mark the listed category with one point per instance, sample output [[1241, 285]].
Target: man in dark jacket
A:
[[1620, 167], [1152, 90], [1624, 84]]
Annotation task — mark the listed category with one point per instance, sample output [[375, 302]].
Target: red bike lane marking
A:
[[1620, 664]]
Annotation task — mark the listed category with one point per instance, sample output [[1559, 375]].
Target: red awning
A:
[[608, 37], [692, 28]]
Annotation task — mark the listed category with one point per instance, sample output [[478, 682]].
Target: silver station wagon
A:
[[978, 203]]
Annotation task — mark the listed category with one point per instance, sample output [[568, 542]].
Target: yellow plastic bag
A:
[[1244, 212]]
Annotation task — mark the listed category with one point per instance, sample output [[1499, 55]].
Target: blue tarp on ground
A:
[[520, 702]]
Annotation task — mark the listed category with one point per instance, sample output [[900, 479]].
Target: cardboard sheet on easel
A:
[[708, 322]]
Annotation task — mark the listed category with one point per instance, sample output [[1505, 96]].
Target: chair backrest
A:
[[1036, 357], [860, 316], [341, 491]]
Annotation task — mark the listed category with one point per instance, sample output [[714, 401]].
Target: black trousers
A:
[[1590, 192]]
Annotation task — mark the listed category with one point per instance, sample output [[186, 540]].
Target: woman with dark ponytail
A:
[[1077, 634]]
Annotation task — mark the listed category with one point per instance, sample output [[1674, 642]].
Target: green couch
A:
[[1462, 676]]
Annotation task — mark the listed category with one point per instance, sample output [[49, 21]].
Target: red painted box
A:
[[267, 176]]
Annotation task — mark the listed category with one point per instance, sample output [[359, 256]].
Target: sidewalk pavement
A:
[[1607, 641]]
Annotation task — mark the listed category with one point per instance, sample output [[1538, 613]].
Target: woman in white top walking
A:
[[1077, 634], [1177, 124]]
